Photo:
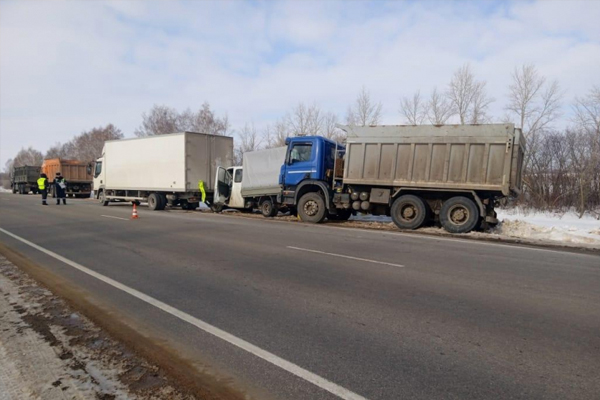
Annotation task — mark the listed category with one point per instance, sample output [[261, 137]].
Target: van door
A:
[[236, 200], [222, 186]]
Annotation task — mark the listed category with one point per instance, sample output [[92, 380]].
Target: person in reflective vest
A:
[[60, 188], [42, 184]]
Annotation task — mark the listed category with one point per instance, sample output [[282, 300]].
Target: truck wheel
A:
[[154, 201], [267, 208], [163, 202], [408, 212], [459, 215], [216, 208], [102, 199], [311, 208], [342, 215]]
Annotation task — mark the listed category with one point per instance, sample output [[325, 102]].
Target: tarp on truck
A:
[[261, 171]]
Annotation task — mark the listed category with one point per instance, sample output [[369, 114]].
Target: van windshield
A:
[[98, 169]]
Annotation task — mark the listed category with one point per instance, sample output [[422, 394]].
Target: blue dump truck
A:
[[451, 174]]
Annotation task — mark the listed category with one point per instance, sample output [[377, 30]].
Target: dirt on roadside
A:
[[54, 351]]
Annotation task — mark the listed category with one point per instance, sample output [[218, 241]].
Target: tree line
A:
[[562, 166]]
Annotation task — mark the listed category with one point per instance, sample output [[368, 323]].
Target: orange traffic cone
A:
[[134, 215]]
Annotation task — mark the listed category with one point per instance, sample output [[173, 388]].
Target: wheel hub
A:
[[311, 208], [459, 215], [408, 212]]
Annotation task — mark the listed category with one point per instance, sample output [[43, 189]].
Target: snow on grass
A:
[[517, 223], [566, 228]]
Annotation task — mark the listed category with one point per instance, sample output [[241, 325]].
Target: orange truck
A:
[[79, 181]]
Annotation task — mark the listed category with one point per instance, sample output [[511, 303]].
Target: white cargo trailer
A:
[[255, 185], [173, 169]]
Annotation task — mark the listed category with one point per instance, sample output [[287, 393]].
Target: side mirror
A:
[[89, 169]]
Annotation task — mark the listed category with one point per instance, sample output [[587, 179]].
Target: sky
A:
[[66, 67]]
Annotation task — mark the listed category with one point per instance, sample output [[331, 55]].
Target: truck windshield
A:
[[98, 169], [300, 152]]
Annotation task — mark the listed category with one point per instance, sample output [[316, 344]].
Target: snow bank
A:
[[566, 228], [520, 224], [4, 190]]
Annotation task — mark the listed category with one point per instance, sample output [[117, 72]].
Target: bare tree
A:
[[305, 120], [330, 129], [88, 145], [478, 114], [276, 134], [58, 151], [249, 140], [414, 109], [205, 121], [468, 96], [439, 110], [364, 112], [587, 111], [29, 156], [162, 120], [533, 102]]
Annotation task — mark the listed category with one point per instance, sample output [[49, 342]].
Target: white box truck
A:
[[173, 169], [253, 185]]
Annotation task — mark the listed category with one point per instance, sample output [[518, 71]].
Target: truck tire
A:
[[459, 215], [342, 215], [311, 208], [267, 208], [216, 208], [102, 198], [154, 201], [409, 212], [163, 201]]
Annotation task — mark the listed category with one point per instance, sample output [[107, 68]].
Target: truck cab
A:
[[310, 170]]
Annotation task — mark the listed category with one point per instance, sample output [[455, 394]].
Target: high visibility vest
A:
[[41, 183], [202, 191]]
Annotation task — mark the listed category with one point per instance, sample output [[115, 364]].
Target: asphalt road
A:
[[376, 314]]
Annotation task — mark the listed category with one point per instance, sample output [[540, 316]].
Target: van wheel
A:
[[267, 208], [408, 212], [154, 201], [102, 198], [311, 208], [459, 215]]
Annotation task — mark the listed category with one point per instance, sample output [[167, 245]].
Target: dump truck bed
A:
[[449, 157], [72, 170], [26, 174]]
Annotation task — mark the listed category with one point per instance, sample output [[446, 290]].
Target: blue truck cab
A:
[[307, 176]]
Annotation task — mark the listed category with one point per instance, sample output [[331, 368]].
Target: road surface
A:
[[283, 310]]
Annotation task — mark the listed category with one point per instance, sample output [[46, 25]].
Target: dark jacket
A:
[[57, 182]]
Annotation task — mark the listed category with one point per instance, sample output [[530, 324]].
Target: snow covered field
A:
[[540, 226]]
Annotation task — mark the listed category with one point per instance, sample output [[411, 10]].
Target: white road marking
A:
[[345, 256], [112, 216], [288, 366]]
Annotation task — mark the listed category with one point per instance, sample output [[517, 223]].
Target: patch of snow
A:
[[522, 224], [566, 228], [4, 190]]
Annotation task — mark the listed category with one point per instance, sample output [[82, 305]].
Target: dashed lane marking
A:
[[112, 216], [345, 256]]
